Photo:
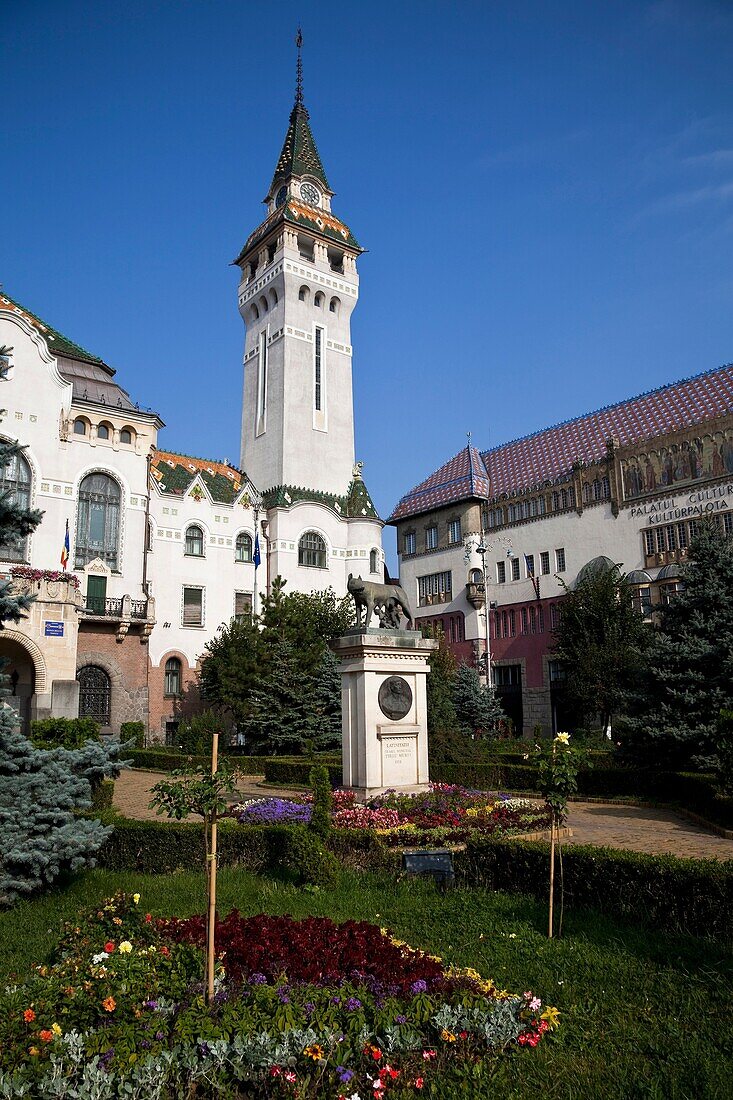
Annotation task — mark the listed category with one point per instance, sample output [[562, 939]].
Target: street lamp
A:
[[482, 547]]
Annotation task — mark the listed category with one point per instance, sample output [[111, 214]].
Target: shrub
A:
[[292, 771], [678, 895], [102, 794], [195, 735], [300, 856], [134, 732], [67, 733], [320, 822]]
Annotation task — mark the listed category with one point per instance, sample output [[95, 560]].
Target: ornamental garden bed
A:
[[446, 814], [303, 1008]]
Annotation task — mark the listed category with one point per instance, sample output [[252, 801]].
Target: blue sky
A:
[[545, 189]]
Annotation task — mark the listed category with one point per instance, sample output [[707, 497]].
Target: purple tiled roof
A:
[[550, 453]]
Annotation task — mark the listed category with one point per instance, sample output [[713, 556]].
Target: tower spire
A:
[[299, 70]]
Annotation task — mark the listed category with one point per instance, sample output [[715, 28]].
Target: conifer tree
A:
[[325, 704], [478, 710], [40, 789], [673, 716]]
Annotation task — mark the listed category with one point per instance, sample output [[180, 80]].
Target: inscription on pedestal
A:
[[399, 760]]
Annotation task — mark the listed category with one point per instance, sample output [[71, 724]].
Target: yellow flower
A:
[[563, 738], [315, 1052], [55, 1029], [116, 920], [136, 898], [125, 947], [33, 1050], [552, 1015], [448, 1036]]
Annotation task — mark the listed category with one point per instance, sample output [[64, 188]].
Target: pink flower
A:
[[428, 1055]]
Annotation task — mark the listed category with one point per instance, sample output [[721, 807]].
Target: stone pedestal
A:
[[384, 730]]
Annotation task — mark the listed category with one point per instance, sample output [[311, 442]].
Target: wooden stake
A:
[[552, 870], [210, 946]]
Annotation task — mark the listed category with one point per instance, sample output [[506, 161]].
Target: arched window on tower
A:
[[172, 684], [95, 694], [312, 550], [15, 479], [374, 561], [98, 521], [303, 294], [194, 541], [243, 547], [319, 299], [334, 305]]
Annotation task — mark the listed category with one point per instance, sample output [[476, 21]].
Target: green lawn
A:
[[643, 1014]]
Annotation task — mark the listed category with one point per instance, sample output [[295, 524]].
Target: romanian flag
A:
[[65, 551]]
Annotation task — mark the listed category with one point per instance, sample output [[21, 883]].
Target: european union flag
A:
[[256, 556]]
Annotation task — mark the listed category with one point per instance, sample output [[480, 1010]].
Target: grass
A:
[[644, 1015]]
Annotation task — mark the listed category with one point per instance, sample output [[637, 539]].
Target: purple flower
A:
[[145, 1044], [257, 979], [309, 1008], [400, 1019], [335, 1000], [352, 1004], [160, 1035], [283, 997], [150, 1004], [344, 1074], [275, 811], [419, 986]]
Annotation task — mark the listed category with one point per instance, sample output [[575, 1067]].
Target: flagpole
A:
[[255, 609]]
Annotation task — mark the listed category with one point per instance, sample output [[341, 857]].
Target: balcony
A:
[[123, 611], [475, 594]]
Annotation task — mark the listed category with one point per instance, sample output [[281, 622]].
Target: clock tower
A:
[[298, 287]]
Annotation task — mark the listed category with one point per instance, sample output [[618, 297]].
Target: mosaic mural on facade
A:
[[702, 457]]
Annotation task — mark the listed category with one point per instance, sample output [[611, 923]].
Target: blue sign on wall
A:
[[53, 630]]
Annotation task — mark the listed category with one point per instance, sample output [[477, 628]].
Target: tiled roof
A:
[[303, 217], [462, 477], [549, 454], [174, 473], [299, 156], [57, 343], [356, 504]]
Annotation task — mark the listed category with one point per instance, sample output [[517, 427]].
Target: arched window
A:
[[312, 550], [374, 561], [334, 304], [15, 478], [273, 297], [95, 694], [263, 304], [103, 431], [98, 521], [596, 489], [586, 492], [80, 426], [126, 435], [243, 547], [319, 299], [255, 313], [194, 541], [605, 488], [172, 684], [303, 294]]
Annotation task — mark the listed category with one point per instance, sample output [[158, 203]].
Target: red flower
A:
[[109, 947], [47, 1036], [148, 918], [164, 951], [419, 1082], [29, 1015]]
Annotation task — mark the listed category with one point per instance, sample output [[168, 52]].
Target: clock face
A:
[[310, 194], [281, 196]]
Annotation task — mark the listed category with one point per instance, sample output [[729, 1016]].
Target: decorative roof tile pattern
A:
[[303, 217], [356, 504], [550, 454], [174, 473], [299, 156], [462, 477], [57, 343]]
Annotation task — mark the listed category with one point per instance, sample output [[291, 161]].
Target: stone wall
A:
[[126, 664]]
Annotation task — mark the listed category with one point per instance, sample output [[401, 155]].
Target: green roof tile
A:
[[58, 344], [356, 504]]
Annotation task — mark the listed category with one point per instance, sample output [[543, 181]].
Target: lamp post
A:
[[483, 546]]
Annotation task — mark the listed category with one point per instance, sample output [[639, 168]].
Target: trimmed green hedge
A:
[[677, 895], [296, 772], [163, 759], [102, 794]]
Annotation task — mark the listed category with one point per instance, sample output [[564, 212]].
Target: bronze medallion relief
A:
[[395, 698]]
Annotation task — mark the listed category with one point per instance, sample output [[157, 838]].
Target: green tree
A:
[[673, 717], [477, 708], [600, 641], [440, 687], [40, 790], [325, 704]]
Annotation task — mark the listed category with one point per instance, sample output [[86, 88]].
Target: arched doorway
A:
[[20, 679], [95, 693]]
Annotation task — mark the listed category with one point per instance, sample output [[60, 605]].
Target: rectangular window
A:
[[454, 531], [497, 625], [540, 620], [513, 623], [671, 539], [504, 624], [545, 562], [554, 616], [556, 671], [243, 607], [435, 588], [501, 572], [431, 538], [515, 569], [728, 522], [410, 542], [648, 541], [682, 535], [507, 675], [193, 607], [318, 369], [262, 395], [661, 542], [525, 621], [529, 564], [560, 560], [693, 529], [532, 620]]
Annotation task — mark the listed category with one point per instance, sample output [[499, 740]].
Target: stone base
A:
[[363, 794]]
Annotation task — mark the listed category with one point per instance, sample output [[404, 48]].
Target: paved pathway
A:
[[614, 826]]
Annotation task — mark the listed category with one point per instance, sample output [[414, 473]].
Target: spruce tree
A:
[[40, 789], [673, 716], [325, 704], [478, 710]]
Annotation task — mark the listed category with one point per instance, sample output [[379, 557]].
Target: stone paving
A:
[[615, 826]]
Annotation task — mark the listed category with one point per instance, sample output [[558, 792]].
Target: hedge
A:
[[102, 794], [678, 895], [296, 772], [163, 759]]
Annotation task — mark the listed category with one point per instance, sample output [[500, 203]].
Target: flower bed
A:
[[445, 813], [303, 1009]]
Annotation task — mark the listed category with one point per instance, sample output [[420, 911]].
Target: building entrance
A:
[[20, 680]]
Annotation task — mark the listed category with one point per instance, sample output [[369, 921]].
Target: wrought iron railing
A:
[[138, 609], [101, 605]]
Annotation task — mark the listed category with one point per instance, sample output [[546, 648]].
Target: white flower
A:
[[97, 959], [563, 738]]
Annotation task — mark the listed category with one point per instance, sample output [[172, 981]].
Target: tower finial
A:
[[299, 80]]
